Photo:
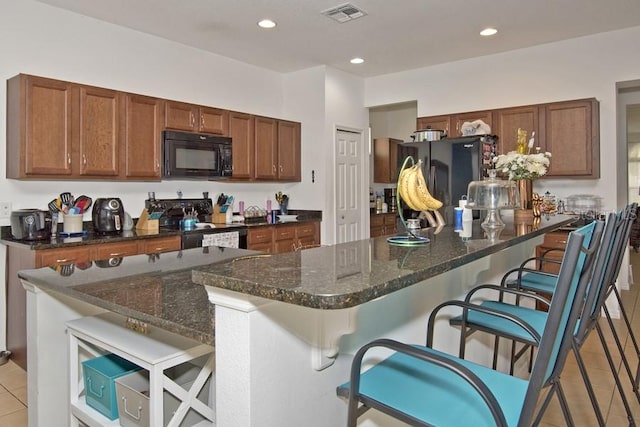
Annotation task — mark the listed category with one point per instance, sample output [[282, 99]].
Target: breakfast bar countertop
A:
[[350, 274]]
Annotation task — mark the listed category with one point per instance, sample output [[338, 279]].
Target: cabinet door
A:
[[181, 116], [266, 148], [45, 126], [284, 239], [434, 122], [308, 235], [260, 239], [508, 120], [572, 136], [214, 120], [99, 131], [289, 151], [142, 142], [242, 131], [385, 160], [459, 119]]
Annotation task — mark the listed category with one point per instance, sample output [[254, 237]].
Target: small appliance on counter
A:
[[390, 199], [31, 224], [108, 215]]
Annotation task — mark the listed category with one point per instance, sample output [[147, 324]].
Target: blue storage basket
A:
[[99, 386]]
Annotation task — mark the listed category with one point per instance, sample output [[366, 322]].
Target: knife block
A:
[[145, 223], [217, 217]]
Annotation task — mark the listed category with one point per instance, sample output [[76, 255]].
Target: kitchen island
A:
[[285, 325]]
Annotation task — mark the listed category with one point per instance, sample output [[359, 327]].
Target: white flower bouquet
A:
[[518, 166]]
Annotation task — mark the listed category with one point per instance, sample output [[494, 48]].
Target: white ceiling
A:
[[395, 35]]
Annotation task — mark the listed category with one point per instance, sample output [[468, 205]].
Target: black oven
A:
[[196, 156]]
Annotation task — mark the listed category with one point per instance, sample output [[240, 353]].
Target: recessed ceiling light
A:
[[266, 23], [357, 61], [488, 31]]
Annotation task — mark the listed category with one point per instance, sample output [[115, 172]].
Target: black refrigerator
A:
[[450, 164]]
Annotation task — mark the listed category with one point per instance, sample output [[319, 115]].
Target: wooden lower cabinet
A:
[[383, 224], [552, 249], [64, 260], [278, 239], [260, 239]]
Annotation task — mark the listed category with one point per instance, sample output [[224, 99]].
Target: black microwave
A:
[[196, 156]]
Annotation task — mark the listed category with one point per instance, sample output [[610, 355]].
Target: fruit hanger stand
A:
[[412, 188]]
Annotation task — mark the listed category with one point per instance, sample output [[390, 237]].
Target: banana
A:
[[425, 198], [413, 189], [404, 187]]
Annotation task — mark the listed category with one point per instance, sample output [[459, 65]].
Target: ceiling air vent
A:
[[344, 13]]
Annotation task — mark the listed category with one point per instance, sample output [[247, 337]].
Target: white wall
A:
[[344, 108], [579, 68]]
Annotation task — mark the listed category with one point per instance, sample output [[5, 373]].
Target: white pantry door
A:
[[348, 186]]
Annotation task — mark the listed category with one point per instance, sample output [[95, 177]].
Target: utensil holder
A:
[[147, 224], [217, 217], [72, 223]]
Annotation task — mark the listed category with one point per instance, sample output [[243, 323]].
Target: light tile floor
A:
[[599, 371], [13, 380], [13, 396]]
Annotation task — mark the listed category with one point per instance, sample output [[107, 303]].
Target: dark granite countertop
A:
[[312, 278], [92, 238], [154, 289], [167, 290]]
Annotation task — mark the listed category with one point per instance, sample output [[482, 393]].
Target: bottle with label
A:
[[379, 204]]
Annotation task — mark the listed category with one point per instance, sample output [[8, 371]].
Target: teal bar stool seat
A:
[[605, 270], [426, 387]]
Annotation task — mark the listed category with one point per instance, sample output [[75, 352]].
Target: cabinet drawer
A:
[[259, 235], [113, 250], [52, 257], [306, 230], [284, 233], [161, 244]]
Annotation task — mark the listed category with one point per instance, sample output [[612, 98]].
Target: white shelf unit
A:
[[154, 351]]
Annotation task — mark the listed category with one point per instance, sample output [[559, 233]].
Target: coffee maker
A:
[[390, 199], [108, 215]]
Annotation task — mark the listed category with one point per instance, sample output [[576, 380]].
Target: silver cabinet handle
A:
[[84, 159], [69, 159]]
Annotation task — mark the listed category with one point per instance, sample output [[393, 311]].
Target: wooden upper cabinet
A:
[[195, 118], [388, 156], [214, 120], [569, 130], [508, 120], [458, 120], [99, 131], [41, 114], [143, 139], [266, 148], [435, 123], [64, 130], [242, 132], [289, 156], [572, 136]]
